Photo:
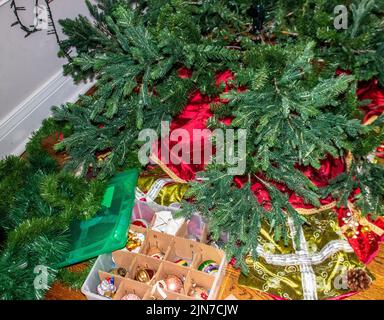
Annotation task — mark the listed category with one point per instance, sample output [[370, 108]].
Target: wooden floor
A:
[[60, 292], [376, 291], [231, 290]]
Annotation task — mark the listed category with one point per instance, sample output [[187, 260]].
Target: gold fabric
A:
[[286, 280], [172, 192]]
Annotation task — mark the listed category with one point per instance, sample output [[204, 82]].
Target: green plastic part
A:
[[107, 231]]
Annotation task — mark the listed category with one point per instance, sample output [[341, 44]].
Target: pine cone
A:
[[358, 280]]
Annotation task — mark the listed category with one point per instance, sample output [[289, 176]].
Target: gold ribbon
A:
[[363, 221], [306, 212], [356, 213], [168, 171]]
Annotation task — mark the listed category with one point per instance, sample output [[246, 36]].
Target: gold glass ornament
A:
[[350, 232], [135, 240], [365, 229], [144, 275]]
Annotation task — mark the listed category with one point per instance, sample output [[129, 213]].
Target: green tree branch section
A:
[[38, 205]]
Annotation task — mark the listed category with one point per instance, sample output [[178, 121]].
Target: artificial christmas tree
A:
[[280, 70], [296, 105]]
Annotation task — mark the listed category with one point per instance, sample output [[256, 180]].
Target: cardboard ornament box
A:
[[172, 248]]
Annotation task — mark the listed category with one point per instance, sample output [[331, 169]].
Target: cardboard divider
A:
[[124, 259], [152, 222], [128, 286], [144, 262], [198, 279], [182, 249], [156, 243], [138, 229], [204, 253], [183, 233], [168, 269]]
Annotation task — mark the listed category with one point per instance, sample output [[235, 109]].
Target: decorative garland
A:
[[34, 218]]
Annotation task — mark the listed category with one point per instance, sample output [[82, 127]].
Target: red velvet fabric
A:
[[195, 116], [371, 90]]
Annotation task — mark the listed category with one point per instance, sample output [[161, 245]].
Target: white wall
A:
[[31, 78]]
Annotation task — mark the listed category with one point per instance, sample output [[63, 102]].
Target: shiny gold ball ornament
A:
[[365, 229], [350, 232], [144, 275], [135, 240]]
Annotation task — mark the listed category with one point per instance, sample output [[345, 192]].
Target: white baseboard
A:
[[17, 128]]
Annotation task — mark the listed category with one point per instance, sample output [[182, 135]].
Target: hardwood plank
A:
[[230, 287], [59, 291]]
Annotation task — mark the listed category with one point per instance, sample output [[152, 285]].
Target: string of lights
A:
[[31, 29]]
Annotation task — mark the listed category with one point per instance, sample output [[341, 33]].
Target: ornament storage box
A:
[[173, 248]]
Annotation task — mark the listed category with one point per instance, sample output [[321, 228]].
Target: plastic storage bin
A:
[[107, 231]]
